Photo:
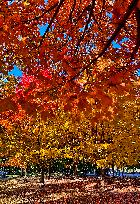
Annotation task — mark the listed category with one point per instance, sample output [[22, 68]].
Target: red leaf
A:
[[7, 104], [46, 74]]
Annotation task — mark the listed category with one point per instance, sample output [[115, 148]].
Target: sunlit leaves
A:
[[73, 77]]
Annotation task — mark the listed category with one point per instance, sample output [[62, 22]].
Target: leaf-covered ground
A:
[[70, 191]]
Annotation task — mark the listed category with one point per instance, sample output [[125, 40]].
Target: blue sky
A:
[[138, 72], [16, 72], [42, 28], [10, 2]]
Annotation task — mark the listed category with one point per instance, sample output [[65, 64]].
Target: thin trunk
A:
[[118, 171], [133, 170], [22, 172], [49, 169], [75, 168], [123, 172], [42, 174], [103, 172], [25, 172], [113, 169], [98, 171], [84, 167]]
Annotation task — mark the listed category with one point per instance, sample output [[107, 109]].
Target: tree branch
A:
[[70, 16], [114, 35], [44, 12], [138, 33], [55, 14]]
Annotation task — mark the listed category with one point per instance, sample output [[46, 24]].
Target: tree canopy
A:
[[88, 52]]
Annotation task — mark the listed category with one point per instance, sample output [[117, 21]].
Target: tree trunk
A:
[[98, 171], [123, 172], [103, 172], [25, 172], [75, 168], [113, 169], [118, 172], [42, 174], [22, 172], [49, 169]]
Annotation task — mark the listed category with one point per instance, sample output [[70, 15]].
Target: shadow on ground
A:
[[70, 191]]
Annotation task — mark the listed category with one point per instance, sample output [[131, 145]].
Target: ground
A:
[[70, 191]]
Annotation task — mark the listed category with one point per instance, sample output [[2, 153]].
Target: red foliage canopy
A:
[[74, 60]]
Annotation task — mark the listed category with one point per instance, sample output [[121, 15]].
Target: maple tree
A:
[[125, 134], [77, 43]]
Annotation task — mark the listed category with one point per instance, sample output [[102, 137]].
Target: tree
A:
[[122, 149], [30, 141], [126, 143], [77, 43]]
